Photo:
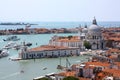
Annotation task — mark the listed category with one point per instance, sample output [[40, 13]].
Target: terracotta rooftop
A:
[[113, 28], [67, 39], [114, 72], [48, 47], [105, 64], [71, 73], [111, 36], [114, 38], [67, 73], [81, 78], [113, 50], [117, 63], [113, 57]]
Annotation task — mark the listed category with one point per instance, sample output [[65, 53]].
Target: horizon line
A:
[[56, 21]]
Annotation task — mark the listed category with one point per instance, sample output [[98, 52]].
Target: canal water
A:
[[29, 69]]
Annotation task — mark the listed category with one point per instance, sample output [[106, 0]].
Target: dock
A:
[[37, 78], [15, 59]]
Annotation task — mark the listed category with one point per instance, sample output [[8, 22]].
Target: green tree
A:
[[87, 45], [70, 78], [69, 37]]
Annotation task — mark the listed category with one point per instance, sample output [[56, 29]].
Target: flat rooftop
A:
[[69, 39], [49, 47]]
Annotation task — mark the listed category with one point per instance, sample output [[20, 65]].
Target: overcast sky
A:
[[59, 10]]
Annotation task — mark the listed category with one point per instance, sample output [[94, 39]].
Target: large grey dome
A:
[[94, 27]]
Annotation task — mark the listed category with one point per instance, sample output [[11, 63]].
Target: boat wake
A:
[[13, 56], [8, 76], [78, 61]]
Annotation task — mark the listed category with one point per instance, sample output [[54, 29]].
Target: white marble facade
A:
[[93, 35]]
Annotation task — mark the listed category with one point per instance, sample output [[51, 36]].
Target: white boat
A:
[[14, 45], [9, 45], [14, 59], [11, 38], [19, 46], [4, 53]]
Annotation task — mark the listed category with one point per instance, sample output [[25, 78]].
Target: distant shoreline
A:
[[29, 30], [17, 24]]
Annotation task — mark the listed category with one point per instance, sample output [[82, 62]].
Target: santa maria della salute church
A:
[[93, 35]]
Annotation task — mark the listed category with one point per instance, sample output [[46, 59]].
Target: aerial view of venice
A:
[[59, 40]]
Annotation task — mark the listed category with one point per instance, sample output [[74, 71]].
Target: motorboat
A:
[[14, 45], [28, 44], [14, 59], [21, 71], [44, 68], [60, 67], [4, 53], [11, 38], [19, 46]]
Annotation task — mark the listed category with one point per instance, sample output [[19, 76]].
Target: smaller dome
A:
[[83, 34], [84, 30]]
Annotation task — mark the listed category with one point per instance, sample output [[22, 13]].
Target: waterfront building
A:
[[47, 51], [69, 41]]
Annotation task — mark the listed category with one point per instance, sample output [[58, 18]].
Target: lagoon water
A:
[[50, 25], [32, 68]]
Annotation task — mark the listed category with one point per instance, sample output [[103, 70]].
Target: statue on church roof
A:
[[94, 21], [85, 25]]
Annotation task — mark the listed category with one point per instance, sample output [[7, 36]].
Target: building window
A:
[[58, 52], [76, 51], [52, 52], [97, 37], [70, 51], [93, 37], [41, 54], [65, 52], [27, 55], [46, 54]]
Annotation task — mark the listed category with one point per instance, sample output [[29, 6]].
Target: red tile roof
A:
[[114, 72], [105, 64], [48, 47], [67, 73]]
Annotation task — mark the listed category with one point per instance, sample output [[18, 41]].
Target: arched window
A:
[[93, 37]]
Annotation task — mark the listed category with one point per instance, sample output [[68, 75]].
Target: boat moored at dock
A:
[[11, 38], [4, 53]]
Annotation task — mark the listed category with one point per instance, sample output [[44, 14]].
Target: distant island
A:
[[29, 30], [19, 23]]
